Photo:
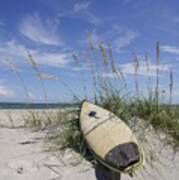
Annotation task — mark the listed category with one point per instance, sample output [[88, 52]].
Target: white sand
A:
[[22, 157]]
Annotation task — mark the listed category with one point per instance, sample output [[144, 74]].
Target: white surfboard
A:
[[110, 139]]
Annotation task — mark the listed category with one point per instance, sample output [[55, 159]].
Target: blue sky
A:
[[52, 31]]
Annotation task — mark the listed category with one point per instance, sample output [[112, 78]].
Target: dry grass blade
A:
[[46, 76], [157, 74], [146, 59], [171, 86], [14, 69], [103, 52], [147, 63], [113, 66], [117, 71], [136, 69], [38, 73], [31, 60], [158, 52], [76, 59], [90, 41], [78, 64]]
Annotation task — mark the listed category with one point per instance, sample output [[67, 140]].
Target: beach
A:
[[24, 155]]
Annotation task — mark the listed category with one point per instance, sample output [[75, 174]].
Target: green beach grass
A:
[[110, 90]]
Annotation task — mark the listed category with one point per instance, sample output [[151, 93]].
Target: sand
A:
[[23, 156]]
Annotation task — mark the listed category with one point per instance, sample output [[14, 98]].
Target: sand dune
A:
[[23, 156]]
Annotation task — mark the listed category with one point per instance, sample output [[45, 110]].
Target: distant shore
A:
[[21, 105]]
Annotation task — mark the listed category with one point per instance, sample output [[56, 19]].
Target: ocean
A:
[[13, 105]]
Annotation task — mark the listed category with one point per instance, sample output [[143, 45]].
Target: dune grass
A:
[[110, 90], [149, 107], [109, 93]]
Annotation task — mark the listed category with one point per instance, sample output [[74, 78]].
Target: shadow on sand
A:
[[103, 173]]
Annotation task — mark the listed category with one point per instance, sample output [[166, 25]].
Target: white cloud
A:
[[82, 67], [129, 69], [118, 37], [41, 31], [5, 91], [144, 70], [124, 39], [12, 49], [58, 60], [108, 75], [31, 96], [93, 39], [81, 6], [170, 49], [91, 18], [46, 76], [18, 53], [81, 10]]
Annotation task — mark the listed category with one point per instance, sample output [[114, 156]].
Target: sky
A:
[[53, 30]]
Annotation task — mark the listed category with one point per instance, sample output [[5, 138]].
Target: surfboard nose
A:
[[123, 155], [85, 104]]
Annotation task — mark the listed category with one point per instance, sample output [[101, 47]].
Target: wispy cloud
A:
[[81, 6], [119, 37], [5, 91], [129, 69], [108, 75], [40, 30], [170, 49], [12, 47], [18, 53], [58, 60], [124, 39], [93, 19], [83, 67], [32, 96], [81, 10], [13, 50], [143, 70], [93, 38]]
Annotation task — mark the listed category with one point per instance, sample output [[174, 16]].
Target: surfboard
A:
[[110, 140]]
